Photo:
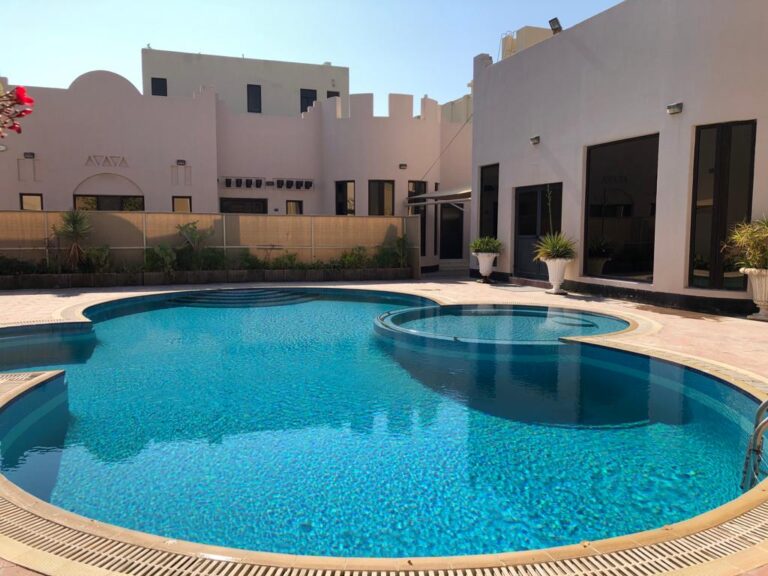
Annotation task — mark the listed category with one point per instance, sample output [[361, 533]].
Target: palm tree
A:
[[75, 228]]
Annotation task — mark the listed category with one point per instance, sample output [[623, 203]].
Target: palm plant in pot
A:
[[748, 244], [555, 250], [486, 250]]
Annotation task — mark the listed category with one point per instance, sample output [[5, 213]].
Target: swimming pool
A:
[[282, 422]]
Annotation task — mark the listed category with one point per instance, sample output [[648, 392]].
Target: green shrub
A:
[[392, 254], [355, 258], [248, 261], [748, 244], [75, 227], [286, 261], [14, 266], [554, 246], [160, 258], [213, 259], [97, 259], [485, 244]]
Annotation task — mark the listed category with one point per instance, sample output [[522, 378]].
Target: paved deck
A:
[[734, 348]]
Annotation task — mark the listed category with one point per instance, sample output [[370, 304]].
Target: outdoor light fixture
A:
[[402, 166], [535, 140], [554, 24], [181, 162], [29, 155], [675, 108], [3, 147]]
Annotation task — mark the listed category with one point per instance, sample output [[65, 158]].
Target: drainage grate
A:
[[119, 557]]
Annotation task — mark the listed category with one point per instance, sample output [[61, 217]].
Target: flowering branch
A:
[[14, 104]]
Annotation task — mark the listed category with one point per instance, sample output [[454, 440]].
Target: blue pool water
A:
[[295, 428]]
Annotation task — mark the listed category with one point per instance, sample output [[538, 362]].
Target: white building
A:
[[641, 129]]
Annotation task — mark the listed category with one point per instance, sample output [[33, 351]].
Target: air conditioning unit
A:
[[257, 182], [228, 182], [280, 183], [238, 182], [248, 182], [307, 184], [289, 184], [299, 184]]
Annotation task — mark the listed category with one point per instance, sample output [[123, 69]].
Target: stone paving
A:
[[740, 346]]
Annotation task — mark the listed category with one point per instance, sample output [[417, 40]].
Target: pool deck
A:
[[730, 540]]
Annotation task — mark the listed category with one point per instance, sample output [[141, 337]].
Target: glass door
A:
[[538, 211]]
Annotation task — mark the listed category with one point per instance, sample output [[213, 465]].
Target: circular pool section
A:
[[280, 421], [496, 324]]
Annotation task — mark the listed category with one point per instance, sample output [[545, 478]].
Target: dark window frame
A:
[[494, 232], [720, 192], [158, 86], [346, 211], [585, 212], [332, 94], [21, 202], [383, 203], [304, 95], [253, 98], [173, 202], [415, 188], [260, 201], [99, 198]]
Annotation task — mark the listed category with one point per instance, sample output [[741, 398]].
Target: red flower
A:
[[25, 112], [16, 127], [21, 96]]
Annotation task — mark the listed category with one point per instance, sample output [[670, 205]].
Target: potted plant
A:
[[599, 254], [555, 250], [748, 244], [486, 250]]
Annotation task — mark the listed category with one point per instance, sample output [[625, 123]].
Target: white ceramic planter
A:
[[556, 270], [485, 260], [758, 280]]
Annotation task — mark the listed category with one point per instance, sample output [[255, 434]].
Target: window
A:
[[416, 188], [182, 203], [381, 197], [308, 97], [159, 86], [254, 98], [294, 207], [722, 197], [345, 197], [31, 201], [621, 209], [110, 203], [332, 94], [243, 205], [489, 200]]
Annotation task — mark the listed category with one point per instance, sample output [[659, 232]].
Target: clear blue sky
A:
[[414, 47]]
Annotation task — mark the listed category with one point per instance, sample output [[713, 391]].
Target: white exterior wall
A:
[[102, 114], [611, 78], [281, 82]]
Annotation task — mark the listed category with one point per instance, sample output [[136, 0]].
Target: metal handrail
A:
[[751, 471]]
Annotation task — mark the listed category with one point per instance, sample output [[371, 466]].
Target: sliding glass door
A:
[[722, 197]]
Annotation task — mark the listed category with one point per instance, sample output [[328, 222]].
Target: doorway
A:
[[538, 211], [451, 232]]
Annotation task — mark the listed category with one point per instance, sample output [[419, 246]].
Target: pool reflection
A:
[[559, 384]]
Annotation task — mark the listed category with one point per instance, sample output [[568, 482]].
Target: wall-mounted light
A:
[[402, 166], [675, 108], [554, 24], [29, 155], [181, 162], [535, 140], [3, 147]]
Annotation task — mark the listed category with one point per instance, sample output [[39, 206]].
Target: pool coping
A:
[[43, 537]]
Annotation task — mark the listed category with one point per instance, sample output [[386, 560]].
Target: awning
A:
[[456, 195]]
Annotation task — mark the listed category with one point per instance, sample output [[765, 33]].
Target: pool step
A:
[[242, 298]]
